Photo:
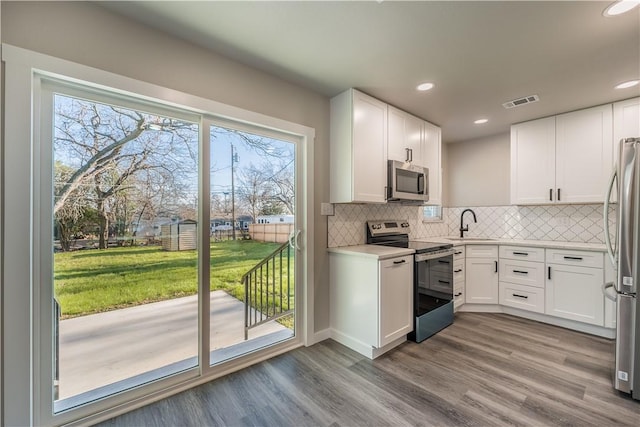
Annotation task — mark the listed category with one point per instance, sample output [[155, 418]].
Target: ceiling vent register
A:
[[521, 101]]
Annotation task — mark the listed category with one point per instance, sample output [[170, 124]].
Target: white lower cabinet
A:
[[481, 275], [558, 286], [371, 301], [575, 293], [395, 301], [522, 278], [522, 297]]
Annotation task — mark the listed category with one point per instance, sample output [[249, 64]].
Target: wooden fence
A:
[[278, 233]]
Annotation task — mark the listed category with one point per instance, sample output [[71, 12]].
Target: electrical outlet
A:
[[327, 209]]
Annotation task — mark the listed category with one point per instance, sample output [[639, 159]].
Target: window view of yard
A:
[[125, 242], [93, 281]]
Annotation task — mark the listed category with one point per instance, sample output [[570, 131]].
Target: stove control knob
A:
[[404, 225]]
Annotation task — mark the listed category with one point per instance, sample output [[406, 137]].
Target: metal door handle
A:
[[558, 194], [520, 296], [496, 266], [520, 272], [573, 258], [457, 271], [606, 286], [551, 194], [521, 253], [549, 273], [400, 262]]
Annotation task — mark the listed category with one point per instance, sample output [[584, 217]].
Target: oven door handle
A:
[[428, 256]]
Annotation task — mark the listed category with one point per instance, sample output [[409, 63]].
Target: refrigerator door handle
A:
[[605, 215], [606, 286]]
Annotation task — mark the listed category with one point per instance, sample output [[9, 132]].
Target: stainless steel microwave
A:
[[407, 182]]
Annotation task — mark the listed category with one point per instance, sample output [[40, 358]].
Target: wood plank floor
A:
[[484, 370]]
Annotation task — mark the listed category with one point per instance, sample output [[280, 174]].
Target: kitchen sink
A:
[[468, 238]]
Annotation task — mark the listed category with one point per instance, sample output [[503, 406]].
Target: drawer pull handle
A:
[[458, 294], [402, 261], [445, 282], [520, 296], [521, 253], [520, 272], [573, 258], [443, 262], [457, 253], [458, 271]]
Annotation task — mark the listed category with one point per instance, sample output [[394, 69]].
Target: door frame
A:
[[22, 316]]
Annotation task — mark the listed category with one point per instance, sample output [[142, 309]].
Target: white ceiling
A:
[[478, 54]]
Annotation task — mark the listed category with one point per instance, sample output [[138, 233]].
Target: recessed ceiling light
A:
[[481, 121], [619, 7], [425, 86], [630, 83]]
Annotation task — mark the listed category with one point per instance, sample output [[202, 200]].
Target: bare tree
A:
[[108, 146]]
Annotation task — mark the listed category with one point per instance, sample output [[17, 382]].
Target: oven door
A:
[[433, 282]]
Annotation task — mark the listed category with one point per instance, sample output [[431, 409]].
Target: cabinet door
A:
[[432, 158], [626, 121], [575, 293], [369, 156], [584, 154], [533, 165], [395, 299], [481, 281], [405, 133]]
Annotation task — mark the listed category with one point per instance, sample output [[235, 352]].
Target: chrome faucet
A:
[[462, 227]]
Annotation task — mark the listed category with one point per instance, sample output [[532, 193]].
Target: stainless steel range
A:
[[432, 278]]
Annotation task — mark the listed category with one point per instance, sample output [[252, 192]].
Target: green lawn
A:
[[92, 281]]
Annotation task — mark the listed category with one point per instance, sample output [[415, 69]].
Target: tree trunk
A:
[[103, 226], [65, 237]]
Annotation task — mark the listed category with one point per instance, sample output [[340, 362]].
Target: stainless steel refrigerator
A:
[[625, 256]]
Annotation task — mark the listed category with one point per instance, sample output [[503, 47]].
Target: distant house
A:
[[275, 219], [179, 236]]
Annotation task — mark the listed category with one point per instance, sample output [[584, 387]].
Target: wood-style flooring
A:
[[484, 370]]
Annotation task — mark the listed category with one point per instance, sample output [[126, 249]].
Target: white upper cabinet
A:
[[533, 162], [562, 159], [358, 148], [405, 137], [415, 140], [584, 155], [626, 122], [432, 158]]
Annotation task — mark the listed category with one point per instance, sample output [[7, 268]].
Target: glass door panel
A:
[[252, 240], [125, 255]]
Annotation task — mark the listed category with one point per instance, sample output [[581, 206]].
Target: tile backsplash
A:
[[566, 223]]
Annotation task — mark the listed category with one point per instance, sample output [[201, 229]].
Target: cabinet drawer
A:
[[578, 258], [458, 297], [481, 251], [459, 253], [522, 272], [522, 297], [458, 271], [525, 253]]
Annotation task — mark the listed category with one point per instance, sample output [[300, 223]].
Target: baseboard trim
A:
[[322, 335]]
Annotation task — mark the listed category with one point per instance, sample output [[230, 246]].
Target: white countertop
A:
[[373, 251], [597, 247], [384, 252]]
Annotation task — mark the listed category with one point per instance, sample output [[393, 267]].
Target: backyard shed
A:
[[179, 236]]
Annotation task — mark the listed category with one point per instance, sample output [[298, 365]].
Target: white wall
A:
[[91, 35], [477, 172]]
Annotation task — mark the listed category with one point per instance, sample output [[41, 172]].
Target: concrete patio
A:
[[102, 349]]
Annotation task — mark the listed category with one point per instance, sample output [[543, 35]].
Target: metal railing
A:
[[268, 289]]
